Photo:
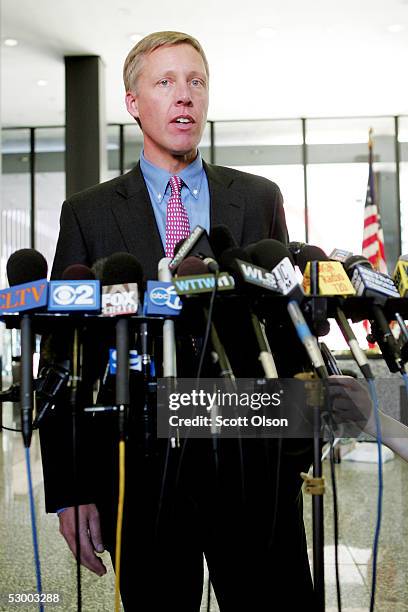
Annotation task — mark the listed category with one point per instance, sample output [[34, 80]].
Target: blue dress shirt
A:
[[195, 193]]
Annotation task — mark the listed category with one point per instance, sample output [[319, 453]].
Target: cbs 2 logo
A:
[[81, 295]]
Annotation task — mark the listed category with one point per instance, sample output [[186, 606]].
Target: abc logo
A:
[[165, 296]]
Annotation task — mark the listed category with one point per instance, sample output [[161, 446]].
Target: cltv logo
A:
[[27, 296]]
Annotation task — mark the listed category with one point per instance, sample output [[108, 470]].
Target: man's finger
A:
[[95, 532]]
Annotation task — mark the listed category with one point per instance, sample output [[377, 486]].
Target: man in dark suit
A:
[[166, 78]]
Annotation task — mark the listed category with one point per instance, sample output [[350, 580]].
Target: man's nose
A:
[[183, 95]]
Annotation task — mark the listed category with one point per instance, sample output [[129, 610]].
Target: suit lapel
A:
[[135, 217], [227, 205]]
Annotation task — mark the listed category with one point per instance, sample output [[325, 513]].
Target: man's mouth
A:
[[183, 119]]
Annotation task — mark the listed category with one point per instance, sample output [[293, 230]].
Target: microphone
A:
[[122, 279], [274, 256], [25, 266], [221, 240], [195, 266], [77, 291], [78, 272], [400, 275], [333, 280], [228, 262], [169, 335], [197, 243], [378, 286]]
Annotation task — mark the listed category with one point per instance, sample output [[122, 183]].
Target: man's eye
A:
[[196, 82], [164, 82]]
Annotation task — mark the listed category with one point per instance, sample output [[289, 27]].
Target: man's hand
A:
[[350, 401], [89, 535]]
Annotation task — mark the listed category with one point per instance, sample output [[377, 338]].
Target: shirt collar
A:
[[158, 179]]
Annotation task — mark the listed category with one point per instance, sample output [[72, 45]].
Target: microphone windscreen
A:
[[268, 253], [309, 253], [78, 272], [192, 265], [26, 265], [97, 267], [228, 259], [295, 247], [121, 268], [356, 260], [221, 239]]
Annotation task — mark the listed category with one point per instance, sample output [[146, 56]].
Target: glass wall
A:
[[272, 149], [403, 150]]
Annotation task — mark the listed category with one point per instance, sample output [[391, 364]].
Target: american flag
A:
[[373, 238]]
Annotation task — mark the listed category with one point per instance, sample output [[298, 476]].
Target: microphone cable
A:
[[209, 316], [374, 398], [405, 377], [333, 368], [119, 522], [10, 428]]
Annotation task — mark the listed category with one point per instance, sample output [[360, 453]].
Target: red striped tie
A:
[[177, 223]]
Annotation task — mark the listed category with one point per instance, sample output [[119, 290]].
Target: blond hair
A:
[[134, 61]]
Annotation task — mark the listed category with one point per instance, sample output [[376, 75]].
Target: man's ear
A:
[[132, 105]]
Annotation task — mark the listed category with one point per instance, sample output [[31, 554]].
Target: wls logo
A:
[[74, 295], [135, 361], [162, 299]]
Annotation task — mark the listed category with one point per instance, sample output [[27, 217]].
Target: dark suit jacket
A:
[[117, 216]]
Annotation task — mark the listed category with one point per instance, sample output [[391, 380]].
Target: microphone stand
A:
[[26, 378], [169, 346], [315, 485], [74, 401], [149, 389]]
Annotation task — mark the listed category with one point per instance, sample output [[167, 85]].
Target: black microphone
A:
[[78, 272], [308, 253], [274, 256], [56, 376], [122, 277], [197, 244], [379, 287], [228, 263], [24, 266], [196, 266], [221, 240]]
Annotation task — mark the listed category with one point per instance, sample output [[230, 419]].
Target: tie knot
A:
[[175, 185]]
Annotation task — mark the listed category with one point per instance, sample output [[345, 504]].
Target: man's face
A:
[[171, 101]]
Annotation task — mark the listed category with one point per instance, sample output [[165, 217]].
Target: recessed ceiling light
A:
[[10, 42], [396, 27], [266, 33], [135, 37], [42, 83]]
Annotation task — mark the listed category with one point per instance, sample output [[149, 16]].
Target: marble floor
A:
[[357, 491]]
